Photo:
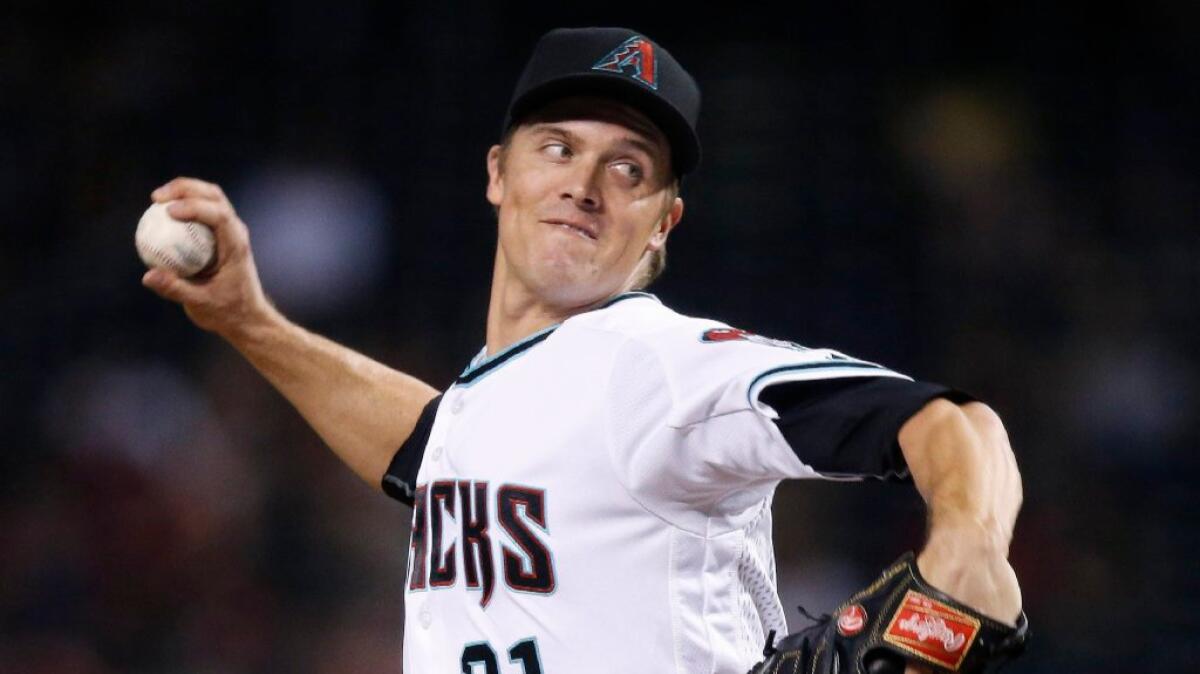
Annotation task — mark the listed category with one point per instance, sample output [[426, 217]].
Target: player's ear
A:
[[674, 214], [495, 187]]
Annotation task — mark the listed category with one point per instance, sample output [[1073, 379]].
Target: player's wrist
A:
[[976, 533], [971, 565], [254, 327]]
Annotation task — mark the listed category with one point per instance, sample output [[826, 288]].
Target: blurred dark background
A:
[[1003, 200]]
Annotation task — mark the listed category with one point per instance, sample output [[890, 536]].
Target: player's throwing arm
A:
[[362, 409], [955, 607]]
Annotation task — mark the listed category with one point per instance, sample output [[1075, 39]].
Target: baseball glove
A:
[[899, 618]]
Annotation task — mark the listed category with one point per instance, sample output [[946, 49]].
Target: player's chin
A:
[[565, 262], [569, 282]]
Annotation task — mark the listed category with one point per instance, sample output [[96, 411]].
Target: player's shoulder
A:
[[643, 317], [708, 366]]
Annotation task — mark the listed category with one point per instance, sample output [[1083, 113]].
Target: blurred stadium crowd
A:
[[1006, 203]]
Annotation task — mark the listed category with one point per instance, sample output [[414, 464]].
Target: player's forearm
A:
[[361, 408], [963, 466]]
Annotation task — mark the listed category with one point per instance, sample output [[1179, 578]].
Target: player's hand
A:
[[900, 623], [228, 298], [971, 572]]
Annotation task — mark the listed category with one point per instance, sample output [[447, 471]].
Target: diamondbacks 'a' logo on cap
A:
[[635, 57]]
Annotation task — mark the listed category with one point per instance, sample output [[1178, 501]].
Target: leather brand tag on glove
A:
[[931, 630]]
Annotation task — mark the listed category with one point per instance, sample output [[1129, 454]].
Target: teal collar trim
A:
[[627, 296], [482, 365]]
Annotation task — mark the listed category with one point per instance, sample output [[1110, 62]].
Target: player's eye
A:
[[556, 150], [631, 170]]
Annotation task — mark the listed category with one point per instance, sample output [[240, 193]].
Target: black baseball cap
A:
[[616, 63]]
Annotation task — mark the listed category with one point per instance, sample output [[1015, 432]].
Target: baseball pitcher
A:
[[593, 492]]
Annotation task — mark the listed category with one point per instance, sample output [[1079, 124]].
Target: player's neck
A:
[[516, 312], [508, 325]]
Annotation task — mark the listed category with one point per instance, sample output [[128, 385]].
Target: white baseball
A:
[[183, 247]]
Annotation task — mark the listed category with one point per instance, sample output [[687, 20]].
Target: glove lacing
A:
[[770, 650]]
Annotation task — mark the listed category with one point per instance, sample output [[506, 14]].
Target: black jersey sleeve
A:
[[401, 477], [849, 427]]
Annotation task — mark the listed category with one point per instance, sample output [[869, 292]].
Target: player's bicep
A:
[[849, 427], [400, 479]]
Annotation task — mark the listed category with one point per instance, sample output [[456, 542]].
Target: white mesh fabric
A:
[[761, 610]]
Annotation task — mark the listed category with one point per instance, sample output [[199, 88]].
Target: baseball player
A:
[[593, 492]]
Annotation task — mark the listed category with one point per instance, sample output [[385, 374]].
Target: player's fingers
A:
[[168, 285], [184, 187], [229, 230]]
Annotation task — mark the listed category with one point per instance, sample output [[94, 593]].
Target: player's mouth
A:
[[578, 228]]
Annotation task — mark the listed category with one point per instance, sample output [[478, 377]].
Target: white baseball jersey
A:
[[596, 498]]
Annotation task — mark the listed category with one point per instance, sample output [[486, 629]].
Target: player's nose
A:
[[582, 185]]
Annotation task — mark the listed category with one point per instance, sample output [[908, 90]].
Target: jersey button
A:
[[457, 405], [436, 453], [426, 618]]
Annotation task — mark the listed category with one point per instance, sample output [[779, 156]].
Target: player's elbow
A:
[[986, 422], [988, 426]]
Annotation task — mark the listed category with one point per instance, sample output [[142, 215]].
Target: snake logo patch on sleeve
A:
[[717, 335]]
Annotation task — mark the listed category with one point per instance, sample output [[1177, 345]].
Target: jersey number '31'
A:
[[524, 652]]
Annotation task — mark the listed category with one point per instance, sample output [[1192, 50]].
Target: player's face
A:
[[583, 192]]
